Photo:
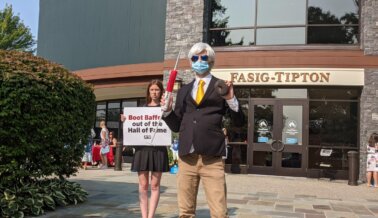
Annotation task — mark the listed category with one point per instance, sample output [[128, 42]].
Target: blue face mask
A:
[[200, 67]]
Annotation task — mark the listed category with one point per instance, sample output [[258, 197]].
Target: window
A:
[[284, 22], [333, 117], [110, 112], [333, 123]]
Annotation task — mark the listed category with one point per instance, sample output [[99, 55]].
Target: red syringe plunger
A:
[[171, 81]]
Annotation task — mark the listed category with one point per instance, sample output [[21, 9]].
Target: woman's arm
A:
[[103, 135], [123, 118], [114, 142]]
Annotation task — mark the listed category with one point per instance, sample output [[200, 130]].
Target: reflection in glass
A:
[[114, 104], [262, 93], [262, 158], [142, 102], [237, 154], [113, 114], [243, 37], [343, 15], [291, 160], [292, 120], [333, 123], [237, 134], [241, 92], [338, 160], [100, 115], [101, 105], [290, 93], [337, 93], [283, 12], [113, 124], [281, 36], [278, 93], [232, 13], [263, 127], [331, 12], [129, 103], [332, 35]]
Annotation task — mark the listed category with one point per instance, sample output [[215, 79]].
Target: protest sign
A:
[[143, 126]]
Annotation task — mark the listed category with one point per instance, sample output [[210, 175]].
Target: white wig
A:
[[200, 47]]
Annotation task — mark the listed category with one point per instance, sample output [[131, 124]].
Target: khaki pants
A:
[[193, 168]]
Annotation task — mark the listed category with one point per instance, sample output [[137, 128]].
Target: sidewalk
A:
[[115, 194]]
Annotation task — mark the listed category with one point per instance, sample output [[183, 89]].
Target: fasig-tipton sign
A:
[[292, 76]]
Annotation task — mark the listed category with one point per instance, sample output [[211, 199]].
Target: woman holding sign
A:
[[148, 159]]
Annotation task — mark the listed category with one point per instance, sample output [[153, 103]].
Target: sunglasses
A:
[[203, 58]]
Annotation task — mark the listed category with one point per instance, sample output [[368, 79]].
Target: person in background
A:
[[224, 130], [104, 145], [197, 115], [87, 158], [150, 160], [96, 156], [113, 145], [372, 160], [174, 149]]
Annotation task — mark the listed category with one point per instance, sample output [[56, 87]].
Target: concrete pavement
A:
[[115, 194]]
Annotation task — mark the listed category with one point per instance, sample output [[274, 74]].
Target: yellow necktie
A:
[[200, 91]]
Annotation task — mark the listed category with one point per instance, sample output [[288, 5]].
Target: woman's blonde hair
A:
[[102, 123]]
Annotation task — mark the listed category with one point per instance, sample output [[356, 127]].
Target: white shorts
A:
[[87, 157]]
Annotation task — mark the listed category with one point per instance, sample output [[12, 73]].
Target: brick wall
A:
[[368, 115], [369, 95], [184, 27], [369, 24]]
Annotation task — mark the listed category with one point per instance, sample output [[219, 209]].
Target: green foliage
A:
[[220, 20], [171, 161], [14, 35], [35, 197], [170, 157], [45, 113]]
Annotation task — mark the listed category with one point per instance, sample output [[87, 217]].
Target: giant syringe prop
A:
[[168, 93], [170, 84]]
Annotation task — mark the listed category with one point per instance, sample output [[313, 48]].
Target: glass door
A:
[[279, 129]]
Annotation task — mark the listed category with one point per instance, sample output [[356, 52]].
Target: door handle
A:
[[282, 146], [273, 145], [277, 146]]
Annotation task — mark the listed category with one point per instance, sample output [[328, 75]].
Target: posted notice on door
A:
[[144, 126]]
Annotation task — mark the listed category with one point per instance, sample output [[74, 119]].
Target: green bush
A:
[[33, 198], [45, 112], [170, 157]]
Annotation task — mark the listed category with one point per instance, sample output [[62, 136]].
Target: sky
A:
[[27, 10]]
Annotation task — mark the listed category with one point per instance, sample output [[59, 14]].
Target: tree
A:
[[331, 34], [218, 20], [14, 35]]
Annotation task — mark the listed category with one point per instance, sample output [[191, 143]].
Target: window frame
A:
[[254, 28]]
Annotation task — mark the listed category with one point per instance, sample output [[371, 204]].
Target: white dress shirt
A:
[[232, 103]]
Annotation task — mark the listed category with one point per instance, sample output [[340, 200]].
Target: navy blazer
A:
[[201, 125]]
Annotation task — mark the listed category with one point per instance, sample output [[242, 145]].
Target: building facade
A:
[[305, 71]]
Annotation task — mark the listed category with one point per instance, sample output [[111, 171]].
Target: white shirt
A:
[[232, 103]]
